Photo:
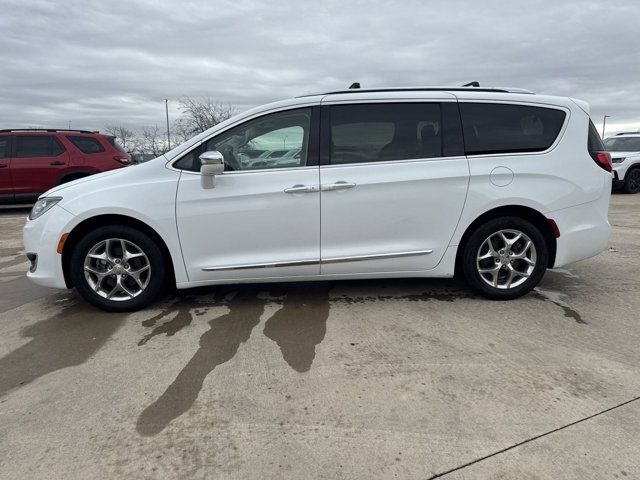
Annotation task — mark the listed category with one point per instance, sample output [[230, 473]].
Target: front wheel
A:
[[117, 268], [505, 258]]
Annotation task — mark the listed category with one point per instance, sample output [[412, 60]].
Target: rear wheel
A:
[[505, 258], [632, 181], [117, 268]]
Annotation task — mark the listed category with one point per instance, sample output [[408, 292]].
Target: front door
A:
[[6, 186], [38, 163], [261, 218], [394, 180]]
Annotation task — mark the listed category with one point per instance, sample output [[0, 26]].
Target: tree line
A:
[[196, 116]]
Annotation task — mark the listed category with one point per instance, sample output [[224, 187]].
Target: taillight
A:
[[122, 159], [603, 159]]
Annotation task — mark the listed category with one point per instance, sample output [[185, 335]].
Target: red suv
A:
[[33, 161]]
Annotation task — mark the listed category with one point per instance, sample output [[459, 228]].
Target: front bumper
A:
[[41, 237]]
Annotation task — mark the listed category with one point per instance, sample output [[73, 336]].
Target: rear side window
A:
[[87, 144], [4, 147], [37, 146], [503, 128], [383, 132]]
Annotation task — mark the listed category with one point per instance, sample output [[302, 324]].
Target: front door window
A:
[[278, 140]]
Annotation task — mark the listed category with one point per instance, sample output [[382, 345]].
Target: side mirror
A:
[[212, 165]]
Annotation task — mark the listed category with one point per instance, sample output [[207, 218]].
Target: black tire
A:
[[477, 240], [632, 180], [156, 279]]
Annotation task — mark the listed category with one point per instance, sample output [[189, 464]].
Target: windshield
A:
[[622, 144]]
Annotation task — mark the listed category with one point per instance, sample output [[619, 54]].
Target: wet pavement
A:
[[363, 379]]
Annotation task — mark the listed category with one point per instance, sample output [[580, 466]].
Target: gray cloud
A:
[[94, 62]]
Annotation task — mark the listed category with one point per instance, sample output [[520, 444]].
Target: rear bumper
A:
[[41, 237], [584, 231]]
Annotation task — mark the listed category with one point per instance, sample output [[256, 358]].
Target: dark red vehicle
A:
[[33, 161]]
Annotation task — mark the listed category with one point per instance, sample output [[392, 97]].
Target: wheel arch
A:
[[526, 213], [111, 219]]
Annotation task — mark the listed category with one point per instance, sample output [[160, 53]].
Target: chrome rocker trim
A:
[[299, 263]]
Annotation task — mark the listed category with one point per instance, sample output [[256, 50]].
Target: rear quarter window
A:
[[87, 144], [112, 141], [504, 128]]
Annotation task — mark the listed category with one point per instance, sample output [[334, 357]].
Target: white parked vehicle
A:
[[496, 184], [625, 153]]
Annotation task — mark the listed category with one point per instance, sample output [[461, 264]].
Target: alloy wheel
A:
[[117, 269], [506, 259]]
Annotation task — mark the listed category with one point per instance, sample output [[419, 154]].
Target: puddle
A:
[[557, 299], [169, 328], [68, 338], [217, 345], [300, 325]]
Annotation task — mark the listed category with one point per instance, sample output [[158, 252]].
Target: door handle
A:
[[3, 165], [299, 188], [57, 163], [337, 186]]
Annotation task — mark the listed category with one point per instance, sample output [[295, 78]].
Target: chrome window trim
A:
[[299, 263], [262, 170]]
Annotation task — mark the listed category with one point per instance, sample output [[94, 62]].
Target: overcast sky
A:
[[94, 63]]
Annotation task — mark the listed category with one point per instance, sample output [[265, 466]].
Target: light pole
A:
[[604, 124], [166, 111]]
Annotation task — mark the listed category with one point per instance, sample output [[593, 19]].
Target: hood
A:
[[98, 177]]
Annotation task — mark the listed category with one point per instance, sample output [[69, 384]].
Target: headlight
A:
[[42, 205]]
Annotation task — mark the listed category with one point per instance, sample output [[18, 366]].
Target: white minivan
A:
[[495, 184]]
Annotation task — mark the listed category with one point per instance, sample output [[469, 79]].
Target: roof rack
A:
[[471, 87], [46, 130]]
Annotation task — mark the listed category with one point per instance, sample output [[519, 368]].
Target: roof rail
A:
[[628, 133], [46, 130], [422, 89]]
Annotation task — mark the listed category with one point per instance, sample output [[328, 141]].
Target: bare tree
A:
[[200, 114], [125, 137], [153, 140]]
